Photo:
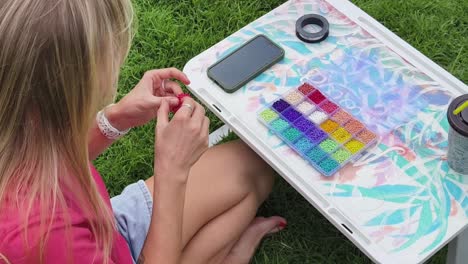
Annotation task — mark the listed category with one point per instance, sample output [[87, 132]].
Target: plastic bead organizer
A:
[[318, 129]]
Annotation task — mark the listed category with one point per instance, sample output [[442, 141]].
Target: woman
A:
[[59, 62]]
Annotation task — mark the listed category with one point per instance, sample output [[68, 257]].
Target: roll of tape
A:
[[312, 19]]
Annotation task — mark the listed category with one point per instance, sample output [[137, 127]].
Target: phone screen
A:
[[245, 63]]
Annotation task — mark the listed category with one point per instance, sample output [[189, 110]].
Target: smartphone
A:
[[245, 63]]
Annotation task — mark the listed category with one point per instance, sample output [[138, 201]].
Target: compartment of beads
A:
[[317, 128]]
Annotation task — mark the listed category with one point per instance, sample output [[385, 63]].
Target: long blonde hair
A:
[[59, 64]]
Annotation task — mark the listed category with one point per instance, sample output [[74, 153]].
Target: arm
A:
[[164, 239], [138, 107], [185, 140], [97, 142]]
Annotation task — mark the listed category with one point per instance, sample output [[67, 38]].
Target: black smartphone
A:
[[245, 63]]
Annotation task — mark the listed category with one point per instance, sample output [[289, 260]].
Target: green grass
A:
[[172, 32]]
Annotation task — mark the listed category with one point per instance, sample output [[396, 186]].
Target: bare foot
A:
[[243, 251]]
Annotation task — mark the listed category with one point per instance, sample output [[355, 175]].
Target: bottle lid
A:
[[459, 122], [464, 116]]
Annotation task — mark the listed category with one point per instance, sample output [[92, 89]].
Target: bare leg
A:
[[224, 190], [244, 249], [232, 234]]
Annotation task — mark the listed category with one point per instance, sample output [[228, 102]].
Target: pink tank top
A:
[[82, 246]]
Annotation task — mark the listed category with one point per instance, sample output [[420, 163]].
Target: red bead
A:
[[316, 97], [181, 98], [328, 107], [306, 89]]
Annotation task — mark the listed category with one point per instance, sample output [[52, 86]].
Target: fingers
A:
[[205, 127], [163, 115], [172, 87], [172, 101], [198, 114], [155, 102], [170, 73], [204, 132], [185, 112]]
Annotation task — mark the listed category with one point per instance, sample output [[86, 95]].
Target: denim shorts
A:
[[132, 211]]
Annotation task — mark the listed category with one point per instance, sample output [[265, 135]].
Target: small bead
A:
[[268, 115], [294, 97], [303, 124], [366, 136], [280, 105], [354, 146], [341, 135], [341, 116], [328, 145], [305, 107], [317, 97], [316, 154], [341, 155], [316, 135], [279, 125], [328, 106], [329, 126], [303, 145], [291, 114], [306, 89], [318, 117], [328, 165], [354, 126], [291, 134]]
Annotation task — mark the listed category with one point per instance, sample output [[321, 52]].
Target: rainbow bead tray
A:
[[319, 130]]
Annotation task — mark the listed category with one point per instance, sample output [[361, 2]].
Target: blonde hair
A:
[[59, 64]]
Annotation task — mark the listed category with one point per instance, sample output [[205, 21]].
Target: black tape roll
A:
[[312, 20]]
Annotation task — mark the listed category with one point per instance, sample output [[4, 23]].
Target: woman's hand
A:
[[180, 141], [141, 104]]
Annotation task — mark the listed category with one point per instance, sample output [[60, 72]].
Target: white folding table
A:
[[400, 202]]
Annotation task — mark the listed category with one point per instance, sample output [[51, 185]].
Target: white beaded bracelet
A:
[[106, 128]]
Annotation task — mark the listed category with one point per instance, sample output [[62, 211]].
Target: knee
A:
[[256, 174]]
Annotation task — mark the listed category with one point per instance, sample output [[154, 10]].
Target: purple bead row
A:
[[304, 125]]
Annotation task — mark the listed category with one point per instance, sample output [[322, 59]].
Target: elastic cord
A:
[[180, 97], [308, 37]]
